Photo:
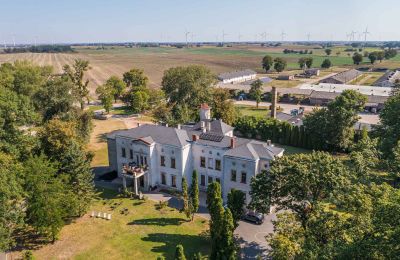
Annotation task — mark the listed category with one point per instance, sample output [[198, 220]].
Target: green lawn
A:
[[253, 111], [144, 233], [293, 150]]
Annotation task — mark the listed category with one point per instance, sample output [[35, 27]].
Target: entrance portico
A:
[[138, 175]]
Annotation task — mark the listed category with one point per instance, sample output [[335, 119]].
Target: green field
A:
[[260, 112]]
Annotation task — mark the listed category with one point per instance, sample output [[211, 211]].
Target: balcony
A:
[[133, 171]]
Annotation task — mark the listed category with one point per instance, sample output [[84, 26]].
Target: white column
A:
[[124, 181], [136, 185]]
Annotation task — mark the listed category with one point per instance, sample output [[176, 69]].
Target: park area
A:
[[138, 229]]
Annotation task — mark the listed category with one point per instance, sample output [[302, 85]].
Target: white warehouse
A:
[[237, 76]]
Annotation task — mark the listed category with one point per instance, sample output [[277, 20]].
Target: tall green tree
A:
[[76, 74], [372, 57], [12, 206], [106, 96], [332, 128], [216, 210], [326, 64], [308, 61], [267, 63], [388, 130], [194, 193], [179, 253], [236, 204], [117, 85], [187, 209], [357, 58], [279, 64], [139, 101], [187, 88], [222, 107], [328, 52], [298, 183], [47, 197], [227, 243], [256, 91], [135, 79]]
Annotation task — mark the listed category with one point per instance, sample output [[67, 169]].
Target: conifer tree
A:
[[194, 193]]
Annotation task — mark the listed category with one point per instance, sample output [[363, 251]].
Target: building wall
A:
[[239, 165], [112, 154], [240, 79]]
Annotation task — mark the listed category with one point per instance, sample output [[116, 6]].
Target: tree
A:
[[332, 127], [326, 64], [47, 197], [117, 86], [75, 164], [328, 52], [12, 204], [197, 256], [267, 63], [390, 53], [187, 209], [55, 98], [318, 173], [138, 102], [236, 204], [305, 61], [357, 58], [388, 130], [372, 57], [135, 79], [179, 253], [279, 64], [227, 243], [256, 91], [223, 107], [216, 210], [194, 193], [380, 55], [187, 88], [76, 74], [106, 95]]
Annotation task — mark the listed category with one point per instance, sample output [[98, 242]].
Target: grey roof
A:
[[216, 127], [333, 95], [293, 91], [253, 150], [236, 74], [294, 120], [155, 133], [389, 76], [344, 76]]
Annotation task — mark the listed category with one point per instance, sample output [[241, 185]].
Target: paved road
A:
[[365, 117]]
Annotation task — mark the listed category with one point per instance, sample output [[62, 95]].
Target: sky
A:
[[73, 21]]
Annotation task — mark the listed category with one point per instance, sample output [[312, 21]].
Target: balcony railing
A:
[[134, 171]]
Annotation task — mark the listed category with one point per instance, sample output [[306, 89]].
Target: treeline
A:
[[287, 51], [45, 174], [41, 49]]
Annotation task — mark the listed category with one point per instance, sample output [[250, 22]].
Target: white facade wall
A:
[[187, 159], [240, 79]]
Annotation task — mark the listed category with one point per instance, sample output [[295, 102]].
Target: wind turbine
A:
[[264, 36], [186, 37], [13, 39], [192, 36], [366, 32], [283, 34], [308, 36], [223, 36], [353, 35]]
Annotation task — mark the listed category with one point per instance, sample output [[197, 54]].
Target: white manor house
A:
[[156, 155]]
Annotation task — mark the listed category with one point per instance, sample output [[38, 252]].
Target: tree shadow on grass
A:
[[191, 243], [158, 221], [27, 239]]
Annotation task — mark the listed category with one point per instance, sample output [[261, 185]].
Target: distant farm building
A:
[[312, 72], [324, 93], [237, 76], [389, 79], [285, 77], [343, 77]]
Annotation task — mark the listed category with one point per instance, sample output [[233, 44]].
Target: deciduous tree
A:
[[256, 91], [267, 63], [76, 74], [236, 204], [279, 64]]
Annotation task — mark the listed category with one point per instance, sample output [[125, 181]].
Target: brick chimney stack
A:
[[274, 101], [233, 142]]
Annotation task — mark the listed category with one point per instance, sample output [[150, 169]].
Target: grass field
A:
[[154, 60], [144, 233], [260, 112]]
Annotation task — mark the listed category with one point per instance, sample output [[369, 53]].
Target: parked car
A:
[[254, 217]]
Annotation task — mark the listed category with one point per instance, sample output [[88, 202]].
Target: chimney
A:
[[138, 124], [274, 101], [202, 125], [208, 126], [233, 142], [179, 126], [269, 142], [205, 112], [194, 138]]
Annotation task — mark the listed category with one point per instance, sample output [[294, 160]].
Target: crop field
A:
[[154, 60]]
